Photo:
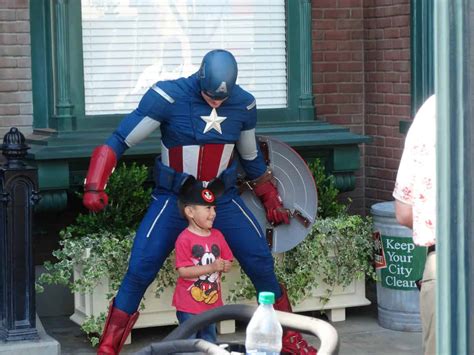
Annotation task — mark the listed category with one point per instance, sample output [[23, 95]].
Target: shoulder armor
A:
[[162, 93], [252, 105]]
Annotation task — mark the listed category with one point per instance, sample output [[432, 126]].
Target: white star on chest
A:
[[213, 121]]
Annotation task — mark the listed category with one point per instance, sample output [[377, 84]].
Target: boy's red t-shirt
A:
[[203, 293]]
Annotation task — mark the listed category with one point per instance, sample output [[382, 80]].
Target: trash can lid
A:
[[383, 209]]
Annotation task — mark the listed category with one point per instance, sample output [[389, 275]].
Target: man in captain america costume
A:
[[207, 124]]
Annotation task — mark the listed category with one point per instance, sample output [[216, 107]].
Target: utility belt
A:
[[169, 179]]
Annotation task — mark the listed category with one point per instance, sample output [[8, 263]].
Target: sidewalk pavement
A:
[[359, 334]]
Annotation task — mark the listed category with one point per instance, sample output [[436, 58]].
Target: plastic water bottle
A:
[[264, 331]]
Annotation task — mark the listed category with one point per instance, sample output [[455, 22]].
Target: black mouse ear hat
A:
[[196, 192]]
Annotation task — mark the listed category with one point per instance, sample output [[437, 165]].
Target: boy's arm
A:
[[192, 272], [227, 265]]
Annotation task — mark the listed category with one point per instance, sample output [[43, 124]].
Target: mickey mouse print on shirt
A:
[[206, 287]]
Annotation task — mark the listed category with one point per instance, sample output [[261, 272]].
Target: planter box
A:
[[158, 311]]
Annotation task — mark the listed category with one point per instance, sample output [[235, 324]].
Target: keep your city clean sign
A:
[[399, 261]]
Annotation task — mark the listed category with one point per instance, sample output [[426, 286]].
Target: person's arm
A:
[[226, 253], [192, 272], [404, 213], [251, 157], [254, 165], [405, 181], [135, 127]]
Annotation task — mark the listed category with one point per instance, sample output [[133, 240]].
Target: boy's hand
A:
[[218, 265], [227, 265]]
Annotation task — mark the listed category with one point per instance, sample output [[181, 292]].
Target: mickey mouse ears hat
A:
[[195, 193]]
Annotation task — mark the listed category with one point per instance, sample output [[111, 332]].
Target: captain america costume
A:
[[207, 125], [199, 141]]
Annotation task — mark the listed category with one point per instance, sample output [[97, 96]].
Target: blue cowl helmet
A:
[[218, 73]]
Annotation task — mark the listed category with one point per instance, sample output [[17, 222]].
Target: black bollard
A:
[[18, 195]]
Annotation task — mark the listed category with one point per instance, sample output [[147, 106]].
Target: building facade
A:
[[361, 79]]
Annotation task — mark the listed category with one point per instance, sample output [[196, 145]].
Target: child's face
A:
[[203, 216]]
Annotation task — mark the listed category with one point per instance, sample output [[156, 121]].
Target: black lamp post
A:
[[18, 195]]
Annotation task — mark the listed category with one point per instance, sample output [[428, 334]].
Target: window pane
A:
[[128, 45]]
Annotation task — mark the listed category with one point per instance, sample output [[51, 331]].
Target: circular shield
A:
[[297, 189]]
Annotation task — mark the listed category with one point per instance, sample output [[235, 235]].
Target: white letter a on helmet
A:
[[222, 88]]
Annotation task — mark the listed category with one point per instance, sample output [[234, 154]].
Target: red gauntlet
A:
[[267, 192], [102, 164]]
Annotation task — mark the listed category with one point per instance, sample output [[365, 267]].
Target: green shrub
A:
[[336, 251], [328, 204]]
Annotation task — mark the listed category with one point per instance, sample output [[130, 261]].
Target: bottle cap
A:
[[266, 297]]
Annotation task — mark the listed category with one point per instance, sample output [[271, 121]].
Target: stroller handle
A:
[[326, 333]]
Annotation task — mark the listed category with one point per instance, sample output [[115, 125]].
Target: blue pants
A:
[[161, 226], [208, 333]]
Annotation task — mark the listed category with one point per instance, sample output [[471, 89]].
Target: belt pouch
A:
[[164, 175]]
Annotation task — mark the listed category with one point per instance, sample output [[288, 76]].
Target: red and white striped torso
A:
[[204, 162]]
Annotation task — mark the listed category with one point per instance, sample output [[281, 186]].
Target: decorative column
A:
[[454, 82], [18, 195], [306, 100], [64, 107]]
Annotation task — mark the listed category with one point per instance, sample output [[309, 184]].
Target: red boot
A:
[[292, 342], [118, 326]]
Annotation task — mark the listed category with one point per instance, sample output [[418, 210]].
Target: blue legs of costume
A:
[[248, 244], [153, 243]]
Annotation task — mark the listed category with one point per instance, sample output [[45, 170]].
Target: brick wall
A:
[[16, 108], [338, 71], [387, 92], [361, 79]]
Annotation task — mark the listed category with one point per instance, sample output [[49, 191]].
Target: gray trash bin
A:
[[399, 265]]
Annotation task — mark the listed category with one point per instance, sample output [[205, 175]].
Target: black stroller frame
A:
[[177, 341]]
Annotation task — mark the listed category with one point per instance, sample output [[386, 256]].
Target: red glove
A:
[[95, 201], [268, 194], [102, 164]]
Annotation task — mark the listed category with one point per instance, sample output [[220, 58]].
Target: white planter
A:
[[158, 311]]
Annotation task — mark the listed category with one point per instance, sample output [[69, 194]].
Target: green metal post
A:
[[306, 101], [455, 194], [422, 52], [64, 105]]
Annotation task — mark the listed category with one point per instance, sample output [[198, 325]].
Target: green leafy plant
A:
[[337, 251], [328, 204], [343, 249], [99, 243], [128, 201], [92, 326]]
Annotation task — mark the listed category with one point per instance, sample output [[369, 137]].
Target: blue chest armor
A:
[[184, 125]]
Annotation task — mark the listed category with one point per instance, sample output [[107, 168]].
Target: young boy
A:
[[202, 254]]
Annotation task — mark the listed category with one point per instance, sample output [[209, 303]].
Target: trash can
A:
[[399, 264]]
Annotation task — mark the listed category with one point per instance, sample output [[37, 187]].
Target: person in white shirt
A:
[[415, 206]]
